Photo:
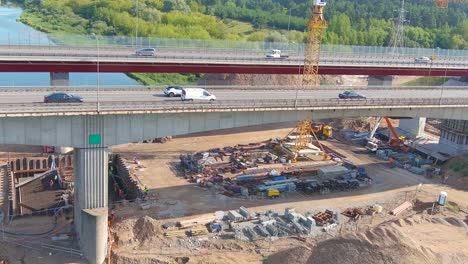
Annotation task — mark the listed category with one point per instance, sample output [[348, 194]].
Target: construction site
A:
[[258, 194], [317, 191]]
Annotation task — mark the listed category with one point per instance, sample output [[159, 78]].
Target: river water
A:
[[14, 32]]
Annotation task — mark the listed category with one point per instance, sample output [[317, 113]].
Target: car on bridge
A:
[[173, 90], [422, 60], [60, 97], [351, 95], [190, 94], [146, 52]]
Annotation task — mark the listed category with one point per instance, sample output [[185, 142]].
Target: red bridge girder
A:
[[161, 67]]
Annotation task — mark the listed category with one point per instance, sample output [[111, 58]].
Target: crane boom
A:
[[389, 124], [372, 133], [316, 26]]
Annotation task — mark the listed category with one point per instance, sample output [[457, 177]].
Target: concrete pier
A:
[[91, 201], [59, 79], [380, 80]]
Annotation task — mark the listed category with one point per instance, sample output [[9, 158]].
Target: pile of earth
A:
[[259, 79], [139, 231], [413, 240]]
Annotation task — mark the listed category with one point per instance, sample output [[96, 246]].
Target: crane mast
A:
[[316, 26]]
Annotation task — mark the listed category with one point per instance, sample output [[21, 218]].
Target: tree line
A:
[[363, 22]]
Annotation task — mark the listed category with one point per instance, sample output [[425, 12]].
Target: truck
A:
[[276, 54], [190, 94]]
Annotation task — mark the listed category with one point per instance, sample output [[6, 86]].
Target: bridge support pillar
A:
[[380, 80], [91, 194], [414, 126], [59, 79]]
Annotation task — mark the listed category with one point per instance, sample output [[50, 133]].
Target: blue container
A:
[[279, 178]]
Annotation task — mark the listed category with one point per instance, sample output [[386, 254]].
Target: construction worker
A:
[[145, 192]]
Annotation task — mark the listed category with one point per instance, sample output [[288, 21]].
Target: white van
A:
[[196, 94]]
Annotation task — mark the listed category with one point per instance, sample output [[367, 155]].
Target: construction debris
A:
[[402, 207], [323, 218], [266, 169]]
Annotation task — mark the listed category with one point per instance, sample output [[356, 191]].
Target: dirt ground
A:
[[178, 199]]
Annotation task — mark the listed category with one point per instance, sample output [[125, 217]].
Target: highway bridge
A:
[[131, 116], [48, 58]]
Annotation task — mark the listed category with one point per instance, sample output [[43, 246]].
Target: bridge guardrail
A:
[[339, 61], [225, 105], [159, 88], [227, 54], [130, 41]]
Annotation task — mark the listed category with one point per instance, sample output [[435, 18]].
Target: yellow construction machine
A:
[[322, 131], [273, 193]]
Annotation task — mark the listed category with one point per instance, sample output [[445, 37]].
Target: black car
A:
[[351, 95], [60, 97]]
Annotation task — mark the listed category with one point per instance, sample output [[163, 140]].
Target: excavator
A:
[[395, 142]]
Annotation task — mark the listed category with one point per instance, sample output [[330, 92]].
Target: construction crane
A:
[[316, 26], [394, 142]]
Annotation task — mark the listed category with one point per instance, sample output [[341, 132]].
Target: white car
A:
[[422, 60], [173, 90], [190, 94], [276, 54]]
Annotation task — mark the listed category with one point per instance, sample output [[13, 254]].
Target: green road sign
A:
[[95, 139]]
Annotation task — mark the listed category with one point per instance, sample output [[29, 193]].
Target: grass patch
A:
[[453, 207], [427, 81], [165, 78], [459, 166]]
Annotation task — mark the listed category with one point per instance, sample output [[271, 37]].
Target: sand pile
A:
[[428, 240], [292, 255], [145, 229], [380, 245]]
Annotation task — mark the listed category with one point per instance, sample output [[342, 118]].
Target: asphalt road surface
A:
[[135, 96]]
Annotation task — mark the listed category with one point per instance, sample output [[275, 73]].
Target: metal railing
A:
[[291, 87], [22, 38], [226, 105], [87, 54]]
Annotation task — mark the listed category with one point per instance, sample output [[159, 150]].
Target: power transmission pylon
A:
[[397, 39]]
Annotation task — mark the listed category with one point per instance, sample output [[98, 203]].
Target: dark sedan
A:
[[351, 95], [62, 98]]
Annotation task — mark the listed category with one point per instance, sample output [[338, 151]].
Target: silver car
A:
[[422, 60], [146, 52]]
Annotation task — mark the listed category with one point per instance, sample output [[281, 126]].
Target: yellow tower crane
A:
[[316, 26]]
